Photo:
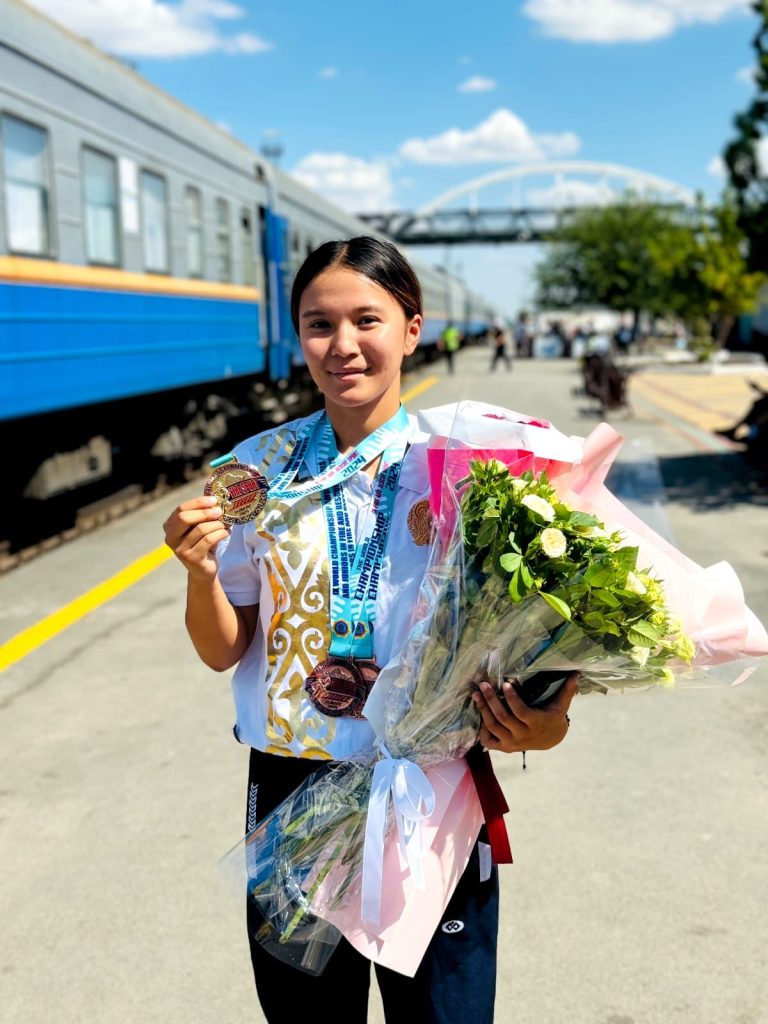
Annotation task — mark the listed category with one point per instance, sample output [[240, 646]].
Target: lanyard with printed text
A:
[[356, 568]]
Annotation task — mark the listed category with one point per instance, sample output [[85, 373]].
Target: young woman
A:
[[288, 599]]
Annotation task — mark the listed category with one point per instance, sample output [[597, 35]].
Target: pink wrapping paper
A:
[[709, 601], [410, 915], [448, 466]]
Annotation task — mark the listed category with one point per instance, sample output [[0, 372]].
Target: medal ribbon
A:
[[355, 569], [341, 467]]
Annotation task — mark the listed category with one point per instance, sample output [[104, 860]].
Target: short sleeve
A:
[[239, 567]]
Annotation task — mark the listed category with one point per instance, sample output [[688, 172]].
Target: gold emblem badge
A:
[[240, 490], [420, 522]]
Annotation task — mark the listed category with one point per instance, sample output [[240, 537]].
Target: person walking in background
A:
[[500, 351], [449, 343], [522, 337], [357, 309]]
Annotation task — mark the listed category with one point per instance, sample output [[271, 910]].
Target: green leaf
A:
[[645, 629], [526, 575], [639, 639], [517, 590], [510, 562], [599, 574], [598, 622], [582, 519], [487, 533], [625, 559], [559, 605], [512, 542], [606, 597]]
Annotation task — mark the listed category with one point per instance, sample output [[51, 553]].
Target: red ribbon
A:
[[493, 803]]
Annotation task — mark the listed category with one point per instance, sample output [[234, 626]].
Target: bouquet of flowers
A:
[[535, 571]]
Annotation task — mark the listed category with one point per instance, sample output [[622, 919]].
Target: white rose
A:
[[635, 585], [553, 542], [540, 506]]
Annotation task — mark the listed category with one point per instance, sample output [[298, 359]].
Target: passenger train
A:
[[146, 259]]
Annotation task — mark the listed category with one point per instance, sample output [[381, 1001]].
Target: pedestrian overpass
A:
[[457, 215]]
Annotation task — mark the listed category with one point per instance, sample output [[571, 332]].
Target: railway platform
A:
[[636, 891]]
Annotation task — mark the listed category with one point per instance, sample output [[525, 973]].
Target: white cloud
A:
[[746, 75], [502, 137], [361, 186], [149, 28], [328, 72], [615, 21], [478, 84], [716, 167], [572, 193]]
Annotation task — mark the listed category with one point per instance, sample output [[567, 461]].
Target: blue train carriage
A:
[[145, 266], [145, 259], [130, 277]]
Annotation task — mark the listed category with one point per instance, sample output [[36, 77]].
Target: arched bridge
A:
[[533, 220]]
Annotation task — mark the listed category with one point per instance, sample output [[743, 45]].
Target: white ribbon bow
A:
[[413, 800]]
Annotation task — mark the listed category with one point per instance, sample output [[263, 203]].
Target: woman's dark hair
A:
[[378, 260]]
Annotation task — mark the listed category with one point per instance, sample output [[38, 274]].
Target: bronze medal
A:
[[339, 687], [420, 522], [240, 490]]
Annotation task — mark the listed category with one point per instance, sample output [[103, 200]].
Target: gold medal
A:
[[420, 522], [240, 490]]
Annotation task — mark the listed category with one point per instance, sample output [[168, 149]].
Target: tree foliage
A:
[[601, 257], [742, 155], [704, 271], [641, 257]]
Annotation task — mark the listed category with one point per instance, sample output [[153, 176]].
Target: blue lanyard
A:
[[356, 569], [340, 467]]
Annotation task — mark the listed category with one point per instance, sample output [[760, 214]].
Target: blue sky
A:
[[387, 106]]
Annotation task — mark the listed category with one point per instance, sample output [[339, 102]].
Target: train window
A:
[[101, 215], [193, 207], [223, 241], [249, 261], [27, 187], [154, 216]]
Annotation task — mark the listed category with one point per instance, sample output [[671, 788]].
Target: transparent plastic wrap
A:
[[278, 871], [534, 568]]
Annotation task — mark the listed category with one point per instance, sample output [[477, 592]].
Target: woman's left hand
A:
[[511, 726]]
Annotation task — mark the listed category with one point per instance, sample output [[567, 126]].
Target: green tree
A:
[[742, 154], [602, 257], [703, 268], [642, 257]]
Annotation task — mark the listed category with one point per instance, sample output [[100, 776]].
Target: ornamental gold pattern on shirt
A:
[[298, 634]]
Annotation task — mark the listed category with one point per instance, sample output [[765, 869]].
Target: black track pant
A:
[[456, 981]]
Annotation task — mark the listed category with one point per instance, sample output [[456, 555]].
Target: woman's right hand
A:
[[192, 532]]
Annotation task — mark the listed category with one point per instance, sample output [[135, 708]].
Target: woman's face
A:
[[354, 336]]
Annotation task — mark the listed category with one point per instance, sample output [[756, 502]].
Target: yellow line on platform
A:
[[19, 646], [419, 389], [30, 639]]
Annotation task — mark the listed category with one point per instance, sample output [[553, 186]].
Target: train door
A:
[[280, 334]]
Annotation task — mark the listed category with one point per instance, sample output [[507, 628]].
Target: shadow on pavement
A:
[[711, 481]]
